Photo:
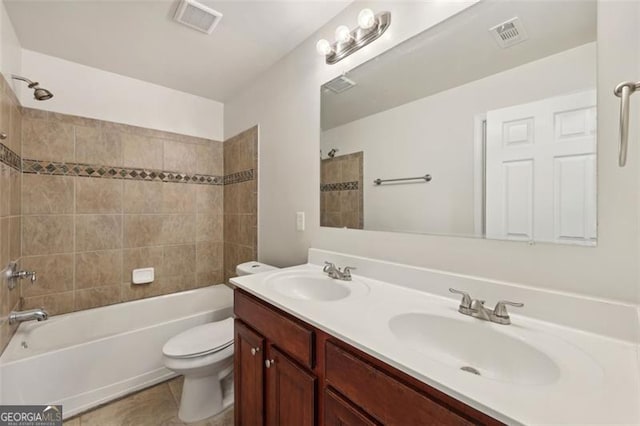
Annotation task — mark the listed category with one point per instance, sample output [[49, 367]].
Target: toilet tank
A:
[[252, 267]]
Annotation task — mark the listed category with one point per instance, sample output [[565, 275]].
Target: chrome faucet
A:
[[336, 273], [37, 314], [475, 308], [25, 274]]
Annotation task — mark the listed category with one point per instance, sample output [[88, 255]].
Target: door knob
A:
[[269, 362], [254, 351]]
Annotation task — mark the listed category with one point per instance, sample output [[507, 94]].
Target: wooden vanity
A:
[[289, 373]]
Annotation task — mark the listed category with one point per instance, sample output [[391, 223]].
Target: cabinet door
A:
[[248, 376], [339, 412], [291, 392]]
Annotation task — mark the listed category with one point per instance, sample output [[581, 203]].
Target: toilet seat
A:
[[201, 340]]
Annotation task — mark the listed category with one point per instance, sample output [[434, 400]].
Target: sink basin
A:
[[475, 347], [315, 286]]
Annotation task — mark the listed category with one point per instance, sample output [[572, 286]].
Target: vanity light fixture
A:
[[370, 27]]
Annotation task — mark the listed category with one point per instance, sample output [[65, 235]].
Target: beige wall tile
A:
[[54, 274], [54, 304], [98, 232], [179, 197], [178, 229], [142, 230], [210, 199], [96, 195], [142, 197], [47, 140], [15, 237], [180, 157], [140, 151], [15, 202], [240, 229], [98, 269], [93, 146], [15, 129], [5, 190], [47, 234], [209, 256], [180, 261], [95, 297], [210, 158], [4, 241], [43, 194], [144, 257], [209, 227], [240, 152]]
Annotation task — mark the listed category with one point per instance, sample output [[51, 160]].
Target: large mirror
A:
[[482, 126]]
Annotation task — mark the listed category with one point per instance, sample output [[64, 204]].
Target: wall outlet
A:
[[300, 221]]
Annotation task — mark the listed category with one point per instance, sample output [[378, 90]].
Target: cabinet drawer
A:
[[340, 412], [285, 333], [382, 396]]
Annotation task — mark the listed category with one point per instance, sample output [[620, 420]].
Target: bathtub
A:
[[84, 359]]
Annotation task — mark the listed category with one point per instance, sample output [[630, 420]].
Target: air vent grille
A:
[[509, 33], [339, 84], [197, 16]]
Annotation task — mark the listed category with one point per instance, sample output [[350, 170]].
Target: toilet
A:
[[204, 355]]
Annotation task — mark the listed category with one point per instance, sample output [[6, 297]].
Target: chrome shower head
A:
[[39, 94]]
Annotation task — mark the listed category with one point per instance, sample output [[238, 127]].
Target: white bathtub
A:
[[87, 358]]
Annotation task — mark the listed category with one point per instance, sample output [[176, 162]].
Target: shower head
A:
[[39, 94]]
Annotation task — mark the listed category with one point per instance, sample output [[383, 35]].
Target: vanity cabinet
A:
[[288, 372]]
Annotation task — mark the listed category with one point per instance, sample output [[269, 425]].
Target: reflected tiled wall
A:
[[341, 192], [100, 199], [10, 250], [240, 199]]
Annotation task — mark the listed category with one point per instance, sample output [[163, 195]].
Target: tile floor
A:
[[154, 406]]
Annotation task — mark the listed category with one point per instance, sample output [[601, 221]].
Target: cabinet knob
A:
[[3, 136], [254, 351], [269, 362]]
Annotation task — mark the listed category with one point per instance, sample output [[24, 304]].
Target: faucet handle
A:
[[348, 269], [328, 266], [500, 314], [465, 303]]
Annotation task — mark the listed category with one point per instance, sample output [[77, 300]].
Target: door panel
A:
[[249, 376], [291, 392]]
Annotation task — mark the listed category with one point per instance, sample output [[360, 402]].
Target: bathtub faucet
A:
[[37, 314]]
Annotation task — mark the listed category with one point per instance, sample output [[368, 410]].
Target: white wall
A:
[[285, 102], [91, 92], [435, 135], [10, 49]]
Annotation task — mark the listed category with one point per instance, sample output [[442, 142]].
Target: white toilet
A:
[[204, 355]]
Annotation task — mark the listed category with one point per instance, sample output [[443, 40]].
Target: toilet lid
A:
[[200, 340]]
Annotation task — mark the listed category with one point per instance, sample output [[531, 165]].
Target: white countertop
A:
[[599, 376]]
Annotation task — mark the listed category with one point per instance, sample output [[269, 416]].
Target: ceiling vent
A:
[[197, 16], [509, 33], [339, 84]]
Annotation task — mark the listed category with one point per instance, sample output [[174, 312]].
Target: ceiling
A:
[[139, 38], [458, 51]]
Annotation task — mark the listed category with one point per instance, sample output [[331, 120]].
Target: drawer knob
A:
[[269, 362], [3, 136], [254, 351]]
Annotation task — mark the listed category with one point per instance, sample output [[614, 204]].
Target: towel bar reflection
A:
[[426, 178], [624, 91]]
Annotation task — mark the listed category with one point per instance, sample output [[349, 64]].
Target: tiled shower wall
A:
[[341, 191], [100, 199], [10, 125], [240, 199]]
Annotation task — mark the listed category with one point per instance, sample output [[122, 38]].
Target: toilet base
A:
[[206, 396]]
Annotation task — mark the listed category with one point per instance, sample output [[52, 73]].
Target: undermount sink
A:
[[476, 347], [315, 286]]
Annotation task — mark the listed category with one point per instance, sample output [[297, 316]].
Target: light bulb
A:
[[366, 19], [343, 34], [323, 47]]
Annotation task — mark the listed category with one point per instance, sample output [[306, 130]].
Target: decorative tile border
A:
[[243, 176], [9, 157], [341, 186], [109, 172]]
